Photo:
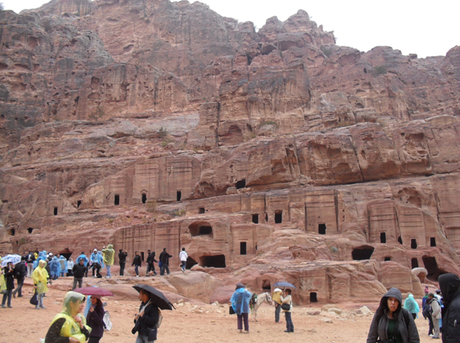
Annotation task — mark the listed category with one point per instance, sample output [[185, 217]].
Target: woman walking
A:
[[95, 320]]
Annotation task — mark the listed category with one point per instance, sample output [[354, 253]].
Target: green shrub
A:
[[380, 70]]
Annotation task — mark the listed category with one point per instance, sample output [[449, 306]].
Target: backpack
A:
[[106, 321], [160, 318], [20, 270], [427, 310]]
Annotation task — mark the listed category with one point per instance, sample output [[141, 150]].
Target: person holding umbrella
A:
[[95, 319], [286, 306], [147, 321]]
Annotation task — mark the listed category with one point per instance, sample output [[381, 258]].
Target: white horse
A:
[[261, 298]]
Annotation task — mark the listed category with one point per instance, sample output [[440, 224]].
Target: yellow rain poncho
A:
[[2, 279], [71, 328], [109, 255], [40, 277]]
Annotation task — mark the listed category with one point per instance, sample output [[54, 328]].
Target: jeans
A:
[[62, 274], [19, 289], [150, 267], [80, 282], [136, 269], [163, 268], [143, 339], [40, 300], [289, 325], [122, 268], [243, 317], [6, 296], [96, 269], [277, 312], [109, 273], [182, 265], [30, 269]]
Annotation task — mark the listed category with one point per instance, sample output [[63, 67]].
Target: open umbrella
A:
[[11, 258], [156, 297], [284, 284], [95, 291]]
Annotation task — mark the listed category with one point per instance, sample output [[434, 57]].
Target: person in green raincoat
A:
[[109, 256], [70, 323]]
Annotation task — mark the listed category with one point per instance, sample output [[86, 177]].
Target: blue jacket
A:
[[240, 301]]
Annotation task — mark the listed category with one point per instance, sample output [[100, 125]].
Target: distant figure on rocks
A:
[[183, 256], [137, 262], [122, 261], [450, 288], [164, 260], [240, 303], [109, 257], [79, 271], [150, 263], [391, 322], [411, 305]]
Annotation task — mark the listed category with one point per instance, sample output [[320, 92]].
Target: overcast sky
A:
[[426, 28]]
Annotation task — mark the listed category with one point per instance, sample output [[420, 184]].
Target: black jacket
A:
[[95, 321], [151, 258], [9, 277], [122, 257], [164, 258], [148, 320], [79, 270], [20, 270], [450, 288], [137, 261], [30, 258]]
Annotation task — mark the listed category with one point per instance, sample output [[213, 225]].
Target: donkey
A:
[[257, 300]]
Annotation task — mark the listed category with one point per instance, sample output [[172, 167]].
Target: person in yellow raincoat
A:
[[2, 280], [109, 256], [40, 277], [70, 322]]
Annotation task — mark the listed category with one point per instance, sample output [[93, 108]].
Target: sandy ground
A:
[[193, 322]]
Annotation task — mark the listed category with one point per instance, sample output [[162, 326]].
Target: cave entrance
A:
[[266, 286], [387, 258], [255, 218], [200, 229], [400, 240], [414, 263], [432, 267], [116, 200], [383, 237], [30, 229], [55, 211], [240, 184], [322, 229], [201, 210], [413, 243], [313, 297], [278, 217], [217, 261], [144, 198], [178, 195], [362, 253], [190, 263], [432, 241], [78, 203], [243, 246]]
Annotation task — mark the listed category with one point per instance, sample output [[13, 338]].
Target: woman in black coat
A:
[[8, 271], [450, 288], [94, 319]]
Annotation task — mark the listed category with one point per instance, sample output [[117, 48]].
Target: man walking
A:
[[30, 258], [20, 272], [164, 259], [122, 261], [183, 256], [79, 271], [435, 315], [137, 262], [150, 263], [85, 261]]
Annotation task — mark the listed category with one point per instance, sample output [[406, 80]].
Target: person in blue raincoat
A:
[[411, 305], [63, 263], [55, 268], [95, 263], [240, 303], [42, 256]]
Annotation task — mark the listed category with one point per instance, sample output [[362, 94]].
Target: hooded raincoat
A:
[[109, 255], [55, 267], [411, 305], [64, 324], [404, 323], [450, 288], [40, 277], [240, 301]]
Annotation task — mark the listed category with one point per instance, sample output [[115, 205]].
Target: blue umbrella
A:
[[284, 284], [11, 258]]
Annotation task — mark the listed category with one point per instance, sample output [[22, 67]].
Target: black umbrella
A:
[[284, 284], [156, 296]]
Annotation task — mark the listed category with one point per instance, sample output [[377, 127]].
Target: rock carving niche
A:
[[116, 199], [278, 217], [178, 195], [243, 248], [387, 258], [414, 262], [383, 237], [216, 261], [432, 267], [320, 209], [30, 229], [266, 286], [201, 210], [78, 203], [432, 241], [362, 253], [55, 211], [313, 297], [240, 184], [144, 198], [322, 229], [413, 243], [200, 229], [255, 218]]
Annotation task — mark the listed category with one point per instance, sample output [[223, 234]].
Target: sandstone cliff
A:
[[270, 154]]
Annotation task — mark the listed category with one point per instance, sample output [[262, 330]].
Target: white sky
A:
[[427, 28]]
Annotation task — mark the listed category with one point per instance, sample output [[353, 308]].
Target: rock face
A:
[[269, 155]]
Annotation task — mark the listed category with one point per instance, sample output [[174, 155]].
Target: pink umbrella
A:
[[95, 291]]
